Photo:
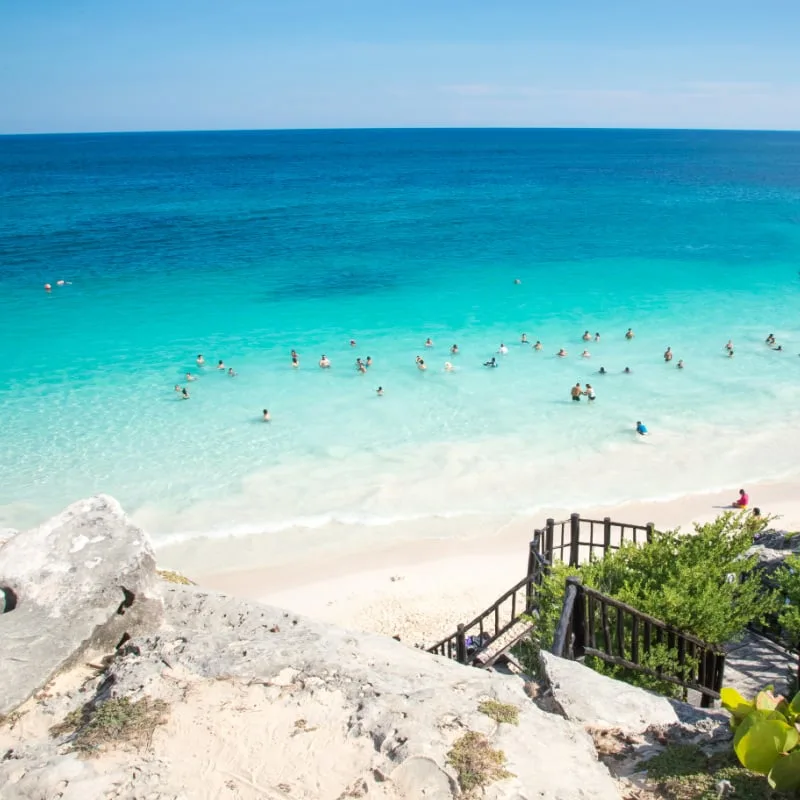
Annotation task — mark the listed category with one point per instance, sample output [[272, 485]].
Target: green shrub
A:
[[697, 583], [788, 579], [766, 738]]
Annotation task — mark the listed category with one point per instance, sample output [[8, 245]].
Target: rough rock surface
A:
[[83, 579], [264, 703], [589, 698]]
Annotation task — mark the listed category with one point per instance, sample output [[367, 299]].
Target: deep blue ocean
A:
[[243, 246]]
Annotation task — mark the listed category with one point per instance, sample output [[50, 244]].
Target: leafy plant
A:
[[476, 762], [500, 712], [767, 735], [788, 580]]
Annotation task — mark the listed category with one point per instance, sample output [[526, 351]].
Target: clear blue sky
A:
[[102, 65]]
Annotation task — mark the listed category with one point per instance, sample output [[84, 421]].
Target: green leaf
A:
[[794, 706], [785, 773], [735, 704], [759, 743], [767, 701]]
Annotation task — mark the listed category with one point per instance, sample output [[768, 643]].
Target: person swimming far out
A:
[[492, 362], [587, 336], [220, 364], [324, 362], [184, 393], [589, 392], [201, 362], [448, 367], [680, 364], [352, 343], [368, 362], [729, 344], [503, 350], [602, 371], [295, 361], [742, 501], [576, 392], [641, 428], [454, 350], [538, 345], [597, 337], [361, 367], [668, 355], [778, 349], [379, 391], [178, 389], [629, 334], [627, 371], [524, 339], [586, 354], [562, 353], [421, 365], [231, 373], [265, 417], [190, 377], [429, 342], [770, 339]]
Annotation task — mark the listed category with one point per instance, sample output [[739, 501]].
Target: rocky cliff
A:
[[118, 685]]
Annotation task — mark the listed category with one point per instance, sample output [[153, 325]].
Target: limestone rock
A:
[[587, 697], [83, 579]]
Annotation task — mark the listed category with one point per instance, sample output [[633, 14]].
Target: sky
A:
[[119, 65]]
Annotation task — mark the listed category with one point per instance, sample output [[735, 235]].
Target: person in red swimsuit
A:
[[741, 501]]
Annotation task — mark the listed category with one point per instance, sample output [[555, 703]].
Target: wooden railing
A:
[[576, 539], [594, 624], [473, 638]]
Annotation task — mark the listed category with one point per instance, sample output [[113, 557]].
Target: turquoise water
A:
[[242, 246]]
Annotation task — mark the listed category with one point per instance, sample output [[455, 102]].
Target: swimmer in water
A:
[[231, 373], [368, 362], [184, 393], [178, 389], [492, 362], [201, 362], [770, 339], [597, 337], [352, 343], [428, 342], [627, 371], [361, 367], [265, 415], [324, 363], [220, 364], [379, 391], [680, 364], [503, 349], [589, 392], [602, 371], [668, 354], [586, 354], [641, 428], [454, 350], [190, 377], [517, 281], [448, 367], [538, 345], [561, 353], [421, 365], [779, 348], [418, 359], [629, 334], [295, 360], [524, 338], [587, 336], [729, 345], [576, 392]]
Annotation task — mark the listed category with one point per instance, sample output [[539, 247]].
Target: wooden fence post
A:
[[531, 552], [561, 643], [574, 538], [606, 535], [548, 541], [579, 621], [461, 645], [650, 530]]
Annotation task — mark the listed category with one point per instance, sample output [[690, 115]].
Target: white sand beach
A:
[[420, 591]]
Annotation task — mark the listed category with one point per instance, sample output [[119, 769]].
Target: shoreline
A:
[[421, 588]]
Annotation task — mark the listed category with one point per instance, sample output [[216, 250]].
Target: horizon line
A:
[[367, 128]]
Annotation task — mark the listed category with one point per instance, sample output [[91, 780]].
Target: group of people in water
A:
[[577, 392]]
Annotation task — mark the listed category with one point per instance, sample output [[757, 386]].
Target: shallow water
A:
[[243, 246]]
